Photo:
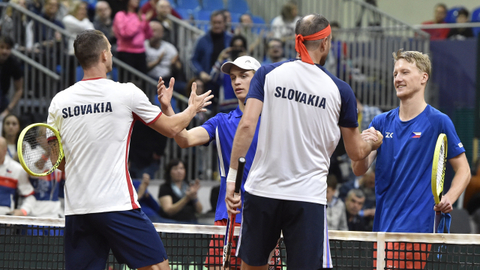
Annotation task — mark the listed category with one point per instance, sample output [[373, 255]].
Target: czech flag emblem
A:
[[416, 134]]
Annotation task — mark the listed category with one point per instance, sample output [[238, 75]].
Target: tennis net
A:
[[37, 243]]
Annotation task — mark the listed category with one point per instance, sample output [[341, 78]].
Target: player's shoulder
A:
[[387, 116], [14, 165]]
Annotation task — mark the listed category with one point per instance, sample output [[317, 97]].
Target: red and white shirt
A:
[[95, 119]]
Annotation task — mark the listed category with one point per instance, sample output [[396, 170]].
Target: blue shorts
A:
[[304, 231], [129, 234]]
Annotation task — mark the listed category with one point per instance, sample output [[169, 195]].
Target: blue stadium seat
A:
[[452, 14], [188, 4], [203, 15], [476, 18], [235, 17], [185, 13], [212, 4], [238, 6], [257, 19]]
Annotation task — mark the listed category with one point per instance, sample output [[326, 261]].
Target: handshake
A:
[[373, 136]]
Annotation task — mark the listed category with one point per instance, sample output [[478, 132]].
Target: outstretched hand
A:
[[199, 102], [164, 93]]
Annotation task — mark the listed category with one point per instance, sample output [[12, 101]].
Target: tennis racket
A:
[[227, 243], [40, 150], [438, 174]]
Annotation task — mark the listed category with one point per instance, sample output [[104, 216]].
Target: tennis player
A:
[[404, 161], [95, 118], [221, 129], [304, 111]]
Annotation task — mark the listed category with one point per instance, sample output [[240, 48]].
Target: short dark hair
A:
[[88, 46], [215, 13], [173, 162], [463, 11], [239, 37], [7, 40], [310, 26]]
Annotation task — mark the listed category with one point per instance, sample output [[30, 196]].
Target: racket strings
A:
[[36, 150], [441, 168]]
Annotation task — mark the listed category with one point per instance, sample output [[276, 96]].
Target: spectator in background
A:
[[152, 5], [11, 131], [439, 17], [366, 184], [283, 27], [42, 36], [207, 49], [336, 212], [10, 69], [354, 203], [75, 22], [64, 7], [178, 198], [149, 204], [274, 52], [131, 30], [163, 10], [35, 6], [16, 181], [227, 100], [14, 23], [161, 55], [246, 29], [228, 21], [103, 22], [366, 114], [149, 7], [464, 32]]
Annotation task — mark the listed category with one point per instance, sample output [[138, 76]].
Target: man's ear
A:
[[104, 55], [425, 78]]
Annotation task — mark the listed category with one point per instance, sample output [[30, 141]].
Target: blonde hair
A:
[[75, 6], [421, 60], [9, 9]]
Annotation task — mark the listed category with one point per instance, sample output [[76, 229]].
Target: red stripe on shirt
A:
[[91, 79], [129, 180], [153, 121], [8, 182], [136, 117]]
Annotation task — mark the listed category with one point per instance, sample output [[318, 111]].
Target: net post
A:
[[380, 250]]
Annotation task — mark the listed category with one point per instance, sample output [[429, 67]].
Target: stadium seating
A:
[[257, 19], [452, 14], [235, 16], [212, 4], [476, 18], [188, 4], [238, 6]]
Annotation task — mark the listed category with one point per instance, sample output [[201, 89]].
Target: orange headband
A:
[[300, 47]]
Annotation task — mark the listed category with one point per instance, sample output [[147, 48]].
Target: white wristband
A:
[[232, 175]]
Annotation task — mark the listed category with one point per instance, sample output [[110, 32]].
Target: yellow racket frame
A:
[[20, 149], [437, 190]]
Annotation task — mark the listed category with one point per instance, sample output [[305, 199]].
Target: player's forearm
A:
[[179, 121], [241, 143], [459, 183], [360, 167], [167, 109]]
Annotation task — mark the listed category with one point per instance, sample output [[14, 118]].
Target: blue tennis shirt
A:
[[221, 128]]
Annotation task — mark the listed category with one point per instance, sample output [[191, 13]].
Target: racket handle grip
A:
[[238, 180]]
